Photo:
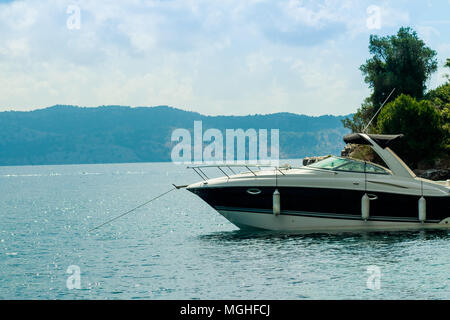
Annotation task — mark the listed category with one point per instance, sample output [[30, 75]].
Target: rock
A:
[[310, 160], [348, 149], [433, 174]]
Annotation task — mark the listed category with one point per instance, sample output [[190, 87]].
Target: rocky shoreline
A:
[[433, 174]]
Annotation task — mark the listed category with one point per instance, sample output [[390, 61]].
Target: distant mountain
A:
[[113, 134]]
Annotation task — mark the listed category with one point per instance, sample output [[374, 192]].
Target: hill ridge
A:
[[67, 134]]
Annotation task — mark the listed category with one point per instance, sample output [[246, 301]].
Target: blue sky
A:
[[213, 57]]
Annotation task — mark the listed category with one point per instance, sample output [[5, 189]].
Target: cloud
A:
[[427, 32], [17, 15], [214, 57]]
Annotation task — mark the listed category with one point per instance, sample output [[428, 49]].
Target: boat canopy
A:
[[383, 140]]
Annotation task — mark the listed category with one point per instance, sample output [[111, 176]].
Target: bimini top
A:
[[383, 140]]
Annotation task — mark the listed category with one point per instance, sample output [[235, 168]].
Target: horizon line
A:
[[176, 108]]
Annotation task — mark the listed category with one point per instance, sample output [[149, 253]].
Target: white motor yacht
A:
[[334, 194]]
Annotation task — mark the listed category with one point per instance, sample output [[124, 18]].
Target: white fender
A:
[[422, 209], [365, 207], [276, 202]]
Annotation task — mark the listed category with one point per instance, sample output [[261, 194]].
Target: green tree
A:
[[421, 123], [440, 99], [361, 117], [445, 115], [447, 64], [401, 61]]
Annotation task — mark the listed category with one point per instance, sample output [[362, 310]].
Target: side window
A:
[[352, 166], [357, 166], [375, 169]]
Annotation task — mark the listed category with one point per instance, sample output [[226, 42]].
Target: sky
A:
[[213, 57]]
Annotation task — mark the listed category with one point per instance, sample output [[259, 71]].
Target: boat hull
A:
[[310, 222], [314, 209]]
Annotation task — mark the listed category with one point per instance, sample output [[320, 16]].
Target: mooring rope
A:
[[129, 211]]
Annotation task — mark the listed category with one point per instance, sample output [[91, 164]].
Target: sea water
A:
[[177, 247]]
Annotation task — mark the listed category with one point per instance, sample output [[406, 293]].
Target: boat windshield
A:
[[346, 164]]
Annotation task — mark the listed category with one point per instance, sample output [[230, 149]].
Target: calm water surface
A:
[[179, 248]]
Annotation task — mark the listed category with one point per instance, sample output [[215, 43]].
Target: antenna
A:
[[364, 131]]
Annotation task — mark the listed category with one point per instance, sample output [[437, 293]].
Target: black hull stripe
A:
[[322, 215], [326, 202]]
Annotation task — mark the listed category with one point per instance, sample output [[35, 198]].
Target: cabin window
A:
[[354, 166], [357, 166], [329, 163], [370, 168], [350, 165]]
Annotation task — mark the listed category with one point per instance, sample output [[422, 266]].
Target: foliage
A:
[[401, 61], [361, 118], [440, 99], [447, 64], [445, 115], [420, 121]]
